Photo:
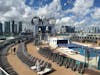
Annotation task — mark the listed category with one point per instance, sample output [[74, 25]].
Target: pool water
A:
[[82, 49], [82, 52]]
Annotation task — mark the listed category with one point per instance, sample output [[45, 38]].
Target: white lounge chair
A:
[[33, 67], [46, 70]]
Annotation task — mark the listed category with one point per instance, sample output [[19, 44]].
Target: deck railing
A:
[[3, 72]]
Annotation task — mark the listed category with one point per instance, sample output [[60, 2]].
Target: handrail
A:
[[3, 71]]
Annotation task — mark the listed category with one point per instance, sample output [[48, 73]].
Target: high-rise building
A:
[[96, 29], [20, 27], [67, 29], [1, 29], [13, 23], [14, 27], [7, 26], [92, 29]]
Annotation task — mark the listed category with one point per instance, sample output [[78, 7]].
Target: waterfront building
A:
[[89, 37], [10, 27], [20, 27], [67, 29], [1, 28], [7, 26], [14, 27]]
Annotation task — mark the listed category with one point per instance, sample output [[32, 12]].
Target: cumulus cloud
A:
[[81, 6], [31, 2], [51, 10], [65, 21], [96, 13], [18, 10], [14, 9]]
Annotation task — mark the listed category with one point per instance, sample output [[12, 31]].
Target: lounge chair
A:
[[72, 64], [45, 71], [74, 68], [82, 68], [68, 63], [61, 60]]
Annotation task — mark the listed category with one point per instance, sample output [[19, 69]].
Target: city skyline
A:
[[11, 27], [77, 13]]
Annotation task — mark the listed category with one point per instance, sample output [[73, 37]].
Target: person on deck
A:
[[14, 50]]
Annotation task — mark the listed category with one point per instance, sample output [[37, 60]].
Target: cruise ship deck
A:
[[49, 37], [22, 69]]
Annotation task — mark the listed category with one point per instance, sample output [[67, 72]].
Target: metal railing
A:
[[3, 72]]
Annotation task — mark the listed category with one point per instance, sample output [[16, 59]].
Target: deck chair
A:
[[68, 63], [82, 68], [48, 65], [50, 55], [57, 56], [53, 57], [45, 71], [74, 67], [60, 61], [65, 61], [72, 64]]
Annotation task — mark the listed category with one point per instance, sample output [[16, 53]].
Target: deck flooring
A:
[[23, 69], [18, 65]]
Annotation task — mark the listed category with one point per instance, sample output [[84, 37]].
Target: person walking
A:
[[14, 50]]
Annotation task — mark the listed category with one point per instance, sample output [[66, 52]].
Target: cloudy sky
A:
[[67, 12]]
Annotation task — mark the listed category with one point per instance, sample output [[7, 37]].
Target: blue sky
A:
[[73, 12], [97, 3], [39, 3]]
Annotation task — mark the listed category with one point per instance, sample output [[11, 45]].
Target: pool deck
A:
[[59, 70], [22, 69], [18, 65], [68, 53]]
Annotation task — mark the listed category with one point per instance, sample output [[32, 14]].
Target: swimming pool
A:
[[82, 49], [92, 53]]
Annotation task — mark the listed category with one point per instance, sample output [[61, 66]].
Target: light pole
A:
[[83, 48], [47, 34], [87, 55], [40, 34]]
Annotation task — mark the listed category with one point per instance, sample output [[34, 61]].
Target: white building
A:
[[54, 41]]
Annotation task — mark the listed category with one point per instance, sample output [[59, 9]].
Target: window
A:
[[62, 41]]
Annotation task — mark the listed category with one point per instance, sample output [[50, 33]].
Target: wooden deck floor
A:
[[22, 69], [18, 65], [59, 70]]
